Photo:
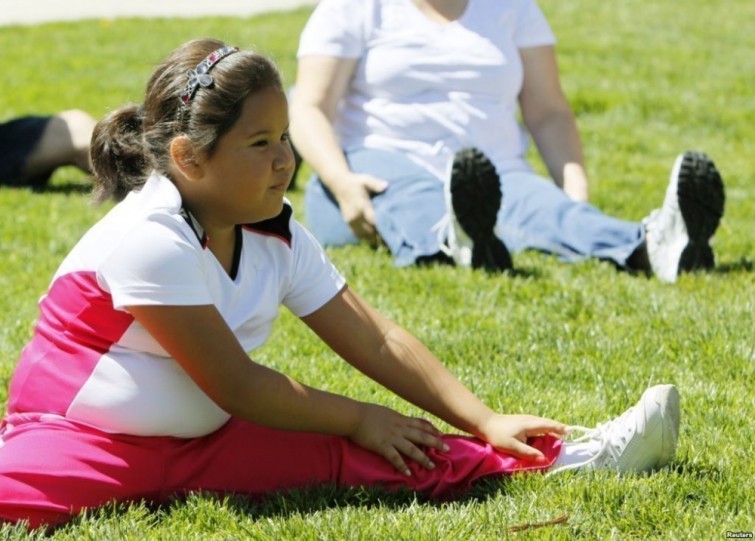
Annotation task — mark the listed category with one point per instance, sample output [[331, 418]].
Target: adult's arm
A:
[[550, 120], [321, 83]]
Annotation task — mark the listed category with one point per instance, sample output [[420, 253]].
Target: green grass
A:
[[575, 342]]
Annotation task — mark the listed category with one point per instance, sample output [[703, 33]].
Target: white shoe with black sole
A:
[[679, 233]]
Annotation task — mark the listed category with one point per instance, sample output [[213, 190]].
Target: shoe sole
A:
[[476, 199], [700, 192]]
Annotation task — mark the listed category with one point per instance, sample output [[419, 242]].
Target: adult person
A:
[[407, 112], [137, 385], [32, 147]]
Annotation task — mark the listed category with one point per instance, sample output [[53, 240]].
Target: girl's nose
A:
[[285, 157]]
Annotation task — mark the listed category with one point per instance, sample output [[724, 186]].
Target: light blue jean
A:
[[535, 214]]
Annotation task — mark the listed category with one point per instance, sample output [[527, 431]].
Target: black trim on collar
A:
[[276, 227], [236, 254], [195, 226]]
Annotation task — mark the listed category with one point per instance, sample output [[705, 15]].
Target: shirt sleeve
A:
[[335, 28], [315, 279], [156, 264], [532, 29]]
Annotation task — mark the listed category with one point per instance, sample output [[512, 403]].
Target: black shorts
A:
[[18, 138]]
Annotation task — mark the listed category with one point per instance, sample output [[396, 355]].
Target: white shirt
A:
[[91, 362], [430, 89]]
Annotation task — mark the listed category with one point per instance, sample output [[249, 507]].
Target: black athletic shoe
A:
[[474, 201]]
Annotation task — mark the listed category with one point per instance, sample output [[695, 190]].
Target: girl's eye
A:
[[286, 136], [260, 143]]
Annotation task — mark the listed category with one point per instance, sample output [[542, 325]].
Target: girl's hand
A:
[[354, 198], [394, 436], [509, 433]]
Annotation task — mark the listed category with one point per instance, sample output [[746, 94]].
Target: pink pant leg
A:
[[249, 459], [51, 470]]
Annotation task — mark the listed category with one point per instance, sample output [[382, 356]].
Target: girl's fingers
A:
[[522, 450], [419, 433], [394, 457], [413, 452], [545, 426], [409, 436], [554, 427], [424, 433]]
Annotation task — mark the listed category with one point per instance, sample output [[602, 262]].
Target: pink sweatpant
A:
[[52, 469]]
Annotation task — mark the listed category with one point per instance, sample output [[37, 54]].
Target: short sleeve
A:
[[156, 264], [532, 29], [335, 28], [315, 279]]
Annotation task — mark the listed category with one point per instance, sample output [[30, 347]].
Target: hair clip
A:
[[200, 76]]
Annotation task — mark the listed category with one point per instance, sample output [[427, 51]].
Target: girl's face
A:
[[246, 178]]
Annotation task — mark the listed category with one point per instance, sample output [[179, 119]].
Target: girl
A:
[[137, 384]]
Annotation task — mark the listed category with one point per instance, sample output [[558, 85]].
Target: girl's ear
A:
[[185, 158]]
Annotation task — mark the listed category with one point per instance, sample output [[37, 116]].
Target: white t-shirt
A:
[[91, 362], [430, 89]]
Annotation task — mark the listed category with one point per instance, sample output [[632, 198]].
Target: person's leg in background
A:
[[32, 147], [65, 141], [672, 239], [537, 215], [18, 139], [406, 212]]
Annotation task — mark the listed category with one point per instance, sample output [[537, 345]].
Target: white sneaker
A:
[[678, 233], [473, 199], [643, 438]]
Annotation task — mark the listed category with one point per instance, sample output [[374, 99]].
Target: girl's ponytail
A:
[[118, 156]]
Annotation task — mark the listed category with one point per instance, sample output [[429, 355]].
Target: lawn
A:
[[575, 342]]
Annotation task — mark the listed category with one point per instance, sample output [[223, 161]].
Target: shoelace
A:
[[609, 435], [652, 227], [443, 231]]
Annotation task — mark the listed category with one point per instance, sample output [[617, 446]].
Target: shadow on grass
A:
[[744, 265], [278, 505], [57, 188], [701, 472], [322, 498], [63, 182], [524, 272], [441, 261], [64, 188]]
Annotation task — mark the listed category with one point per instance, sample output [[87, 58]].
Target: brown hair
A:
[[132, 141]]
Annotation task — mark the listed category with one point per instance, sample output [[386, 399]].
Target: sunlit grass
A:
[[575, 342]]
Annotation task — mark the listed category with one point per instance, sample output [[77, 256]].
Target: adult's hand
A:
[[354, 197]]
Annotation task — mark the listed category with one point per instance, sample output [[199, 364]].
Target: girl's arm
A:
[[200, 341], [394, 358], [550, 120], [321, 83]]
